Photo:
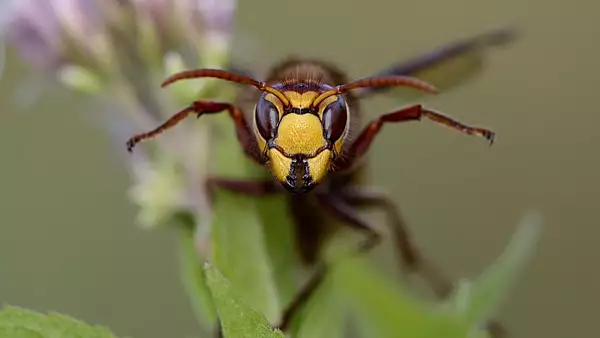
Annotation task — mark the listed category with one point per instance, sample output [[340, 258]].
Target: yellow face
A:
[[300, 141]]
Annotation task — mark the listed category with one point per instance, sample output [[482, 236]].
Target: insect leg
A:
[[200, 108], [343, 212], [303, 296], [412, 259], [455, 124], [411, 113], [408, 252]]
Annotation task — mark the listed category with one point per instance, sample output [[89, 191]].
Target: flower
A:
[[119, 51], [35, 33]]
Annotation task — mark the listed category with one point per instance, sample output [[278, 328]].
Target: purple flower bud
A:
[[50, 33], [33, 28], [44, 30], [218, 16]]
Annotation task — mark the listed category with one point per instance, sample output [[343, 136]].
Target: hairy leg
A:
[[412, 259], [411, 113], [200, 108]]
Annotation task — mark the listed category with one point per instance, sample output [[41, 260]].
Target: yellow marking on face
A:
[[298, 100], [262, 143], [300, 134], [318, 166], [280, 165], [274, 100], [325, 103]]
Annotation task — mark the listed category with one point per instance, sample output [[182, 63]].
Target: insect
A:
[[303, 124]]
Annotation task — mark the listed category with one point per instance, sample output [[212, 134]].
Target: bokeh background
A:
[[67, 236]]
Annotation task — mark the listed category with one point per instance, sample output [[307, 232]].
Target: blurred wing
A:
[[446, 67]]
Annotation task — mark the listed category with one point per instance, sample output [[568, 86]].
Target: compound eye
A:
[[334, 120], [267, 118]]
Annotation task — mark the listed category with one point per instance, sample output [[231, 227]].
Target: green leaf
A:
[[326, 313], [479, 299], [240, 252], [387, 311], [323, 315], [239, 243], [280, 245], [238, 319], [16, 322]]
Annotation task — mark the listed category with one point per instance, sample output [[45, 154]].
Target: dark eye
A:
[[334, 120], [267, 118]]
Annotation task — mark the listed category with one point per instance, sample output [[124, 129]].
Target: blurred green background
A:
[[68, 241]]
